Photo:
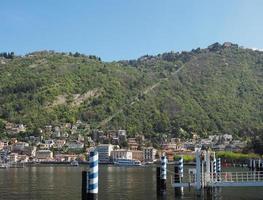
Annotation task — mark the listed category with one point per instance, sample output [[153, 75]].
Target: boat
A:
[[148, 163], [127, 162], [74, 163]]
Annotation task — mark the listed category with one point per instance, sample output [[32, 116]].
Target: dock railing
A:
[[251, 176], [248, 178]]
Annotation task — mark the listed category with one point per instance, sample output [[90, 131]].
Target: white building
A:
[[44, 155], [75, 145], [149, 154], [121, 153], [13, 157], [104, 151], [19, 146]]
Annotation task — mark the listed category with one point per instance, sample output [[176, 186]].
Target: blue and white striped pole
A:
[[214, 169], [163, 167], [218, 167], [93, 175], [181, 167], [213, 166], [163, 173]]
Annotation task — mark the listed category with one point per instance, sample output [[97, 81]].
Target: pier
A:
[[206, 177], [207, 174]]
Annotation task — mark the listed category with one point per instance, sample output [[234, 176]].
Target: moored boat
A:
[[127, 162], [74, 163]]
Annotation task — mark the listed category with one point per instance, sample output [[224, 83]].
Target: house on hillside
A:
[[75, 145], [132, 144], [121, 153], [44, 155], [59, 144], [104, 151], [19, 147]]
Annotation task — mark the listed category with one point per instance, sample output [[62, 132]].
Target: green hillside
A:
[[207, 91]]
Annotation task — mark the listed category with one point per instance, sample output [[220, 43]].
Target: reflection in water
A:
[[132, 183]]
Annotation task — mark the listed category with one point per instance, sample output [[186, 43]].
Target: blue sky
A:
[[128, 29]]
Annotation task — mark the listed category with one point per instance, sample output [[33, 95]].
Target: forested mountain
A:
[[214, 90]]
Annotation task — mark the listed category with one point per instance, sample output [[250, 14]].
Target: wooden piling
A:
[[158, 179], [176, 174], [84, 186]]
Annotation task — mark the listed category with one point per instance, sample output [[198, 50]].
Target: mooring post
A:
[[198, 172], [163, 174], [178, 175], [84, 186], [208, 176], [181, 172], [218, 168], [181, 168], [208, 167], [214, 166], [158, 179], [209, 193], [93, 176]]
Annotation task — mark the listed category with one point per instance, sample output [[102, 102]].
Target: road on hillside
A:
[[137, 98]]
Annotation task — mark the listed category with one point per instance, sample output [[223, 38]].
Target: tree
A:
[[257, 144], [2, 125]]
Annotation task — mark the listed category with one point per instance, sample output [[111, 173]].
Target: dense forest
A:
[[215, 90]]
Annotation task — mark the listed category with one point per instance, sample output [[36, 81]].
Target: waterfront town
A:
[[69, 142]]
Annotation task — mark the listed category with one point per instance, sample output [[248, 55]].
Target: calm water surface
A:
[[64, 183]]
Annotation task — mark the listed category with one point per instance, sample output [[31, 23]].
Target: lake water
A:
[[60, 182]]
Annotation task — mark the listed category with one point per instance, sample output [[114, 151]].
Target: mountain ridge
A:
[[213, 90]]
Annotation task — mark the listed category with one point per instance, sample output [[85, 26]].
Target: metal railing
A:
[[251, 176], [189, 179]]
